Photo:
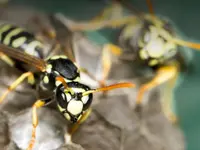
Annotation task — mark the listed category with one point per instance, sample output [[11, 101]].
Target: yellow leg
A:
[[111, 16], [80, 121], [28, 75], [108, 49], [167, 99], [37, 104], [163, 74], [113, 23], [6, 59], [113, 11]]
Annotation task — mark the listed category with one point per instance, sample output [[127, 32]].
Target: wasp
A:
[[152, 40], [57, 75]]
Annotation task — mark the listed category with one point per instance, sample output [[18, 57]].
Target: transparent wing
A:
[[64, 36], [21, 56]]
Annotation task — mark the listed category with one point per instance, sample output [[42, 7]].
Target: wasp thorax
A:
[[60, 65], [71, 101]]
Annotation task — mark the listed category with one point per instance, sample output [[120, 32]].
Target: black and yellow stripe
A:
[[16, 37]]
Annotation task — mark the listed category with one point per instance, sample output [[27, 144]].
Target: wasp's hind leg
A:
[[6, 59], [20, 79], [37, 104], [75, 126], [164, 74]]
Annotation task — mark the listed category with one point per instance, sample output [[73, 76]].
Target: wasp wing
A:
[[64, 35], [21, 56]]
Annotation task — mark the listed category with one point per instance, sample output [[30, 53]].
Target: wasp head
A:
[[71, 101]]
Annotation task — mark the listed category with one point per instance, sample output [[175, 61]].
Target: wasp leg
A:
[[37, 104], [168, 100], [108, 49], [6, 59], [113, 23], [166, 73], [110, 12], [75, 126], [111, 16], [28, 75]]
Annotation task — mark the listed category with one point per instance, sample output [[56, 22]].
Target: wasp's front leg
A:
[[164, 74], [37, 104]]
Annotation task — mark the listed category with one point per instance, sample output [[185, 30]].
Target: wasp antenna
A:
[[110, 87], [150, 6], [62, 80], [187, 44]]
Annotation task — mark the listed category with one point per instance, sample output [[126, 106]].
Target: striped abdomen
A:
[[17, 37]]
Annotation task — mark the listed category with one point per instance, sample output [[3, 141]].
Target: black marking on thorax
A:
[[65, 67]]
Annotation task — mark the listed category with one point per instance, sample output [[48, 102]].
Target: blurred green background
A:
[[185, 14]]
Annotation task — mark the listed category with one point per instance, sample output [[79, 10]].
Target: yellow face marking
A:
[[75, 107], [60, 108], [85, 99], [67, 116], [79, 117], [78, 90], [68, 96], [156, 48], [153, 62], [170, 46], [14, 32], [74, 90], [3, 29], [143, 54], [46, 79], [18, 42]]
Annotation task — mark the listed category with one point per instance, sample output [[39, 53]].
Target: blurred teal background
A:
[[186, 15]]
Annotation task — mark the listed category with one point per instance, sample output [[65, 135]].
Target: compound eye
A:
[[62, 98]]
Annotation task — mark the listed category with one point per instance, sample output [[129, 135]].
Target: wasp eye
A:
[[62, 98]]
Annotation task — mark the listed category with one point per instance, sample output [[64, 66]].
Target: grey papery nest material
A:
[[113, 124]]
